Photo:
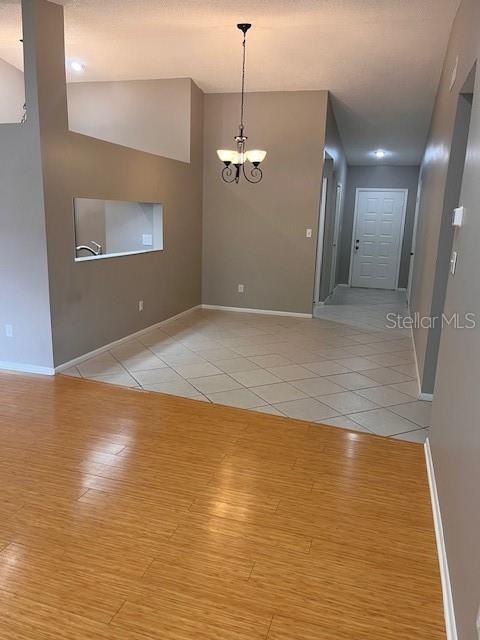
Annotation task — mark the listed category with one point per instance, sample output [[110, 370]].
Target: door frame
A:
[[414, 240], [320, 238], [336, 235], [402, 230]]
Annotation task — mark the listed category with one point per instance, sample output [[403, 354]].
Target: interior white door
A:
[[377, 239]]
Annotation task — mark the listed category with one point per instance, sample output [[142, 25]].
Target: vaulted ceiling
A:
[[381, 59]]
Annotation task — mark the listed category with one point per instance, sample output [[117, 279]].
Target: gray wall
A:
[[255, 234], [455, 432], [337, 174], [12, 93], [90, 223], [94, 302], [24, 296], [381, 177], [149, 115]]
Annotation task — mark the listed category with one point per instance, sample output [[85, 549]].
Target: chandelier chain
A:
[[243, 83]]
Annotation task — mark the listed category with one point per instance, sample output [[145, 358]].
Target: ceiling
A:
[[381, 59]]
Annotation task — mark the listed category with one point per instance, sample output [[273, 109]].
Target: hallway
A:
[[344, 367]]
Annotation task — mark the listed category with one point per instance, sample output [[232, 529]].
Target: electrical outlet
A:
[[140, 305], [9, 330], [241, 288], [308, 233]]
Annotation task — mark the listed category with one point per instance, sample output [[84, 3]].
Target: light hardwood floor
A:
[[133, 515]]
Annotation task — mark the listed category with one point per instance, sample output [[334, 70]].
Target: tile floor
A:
[[343, 367]]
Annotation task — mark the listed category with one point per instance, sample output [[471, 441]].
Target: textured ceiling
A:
[[381, 59]]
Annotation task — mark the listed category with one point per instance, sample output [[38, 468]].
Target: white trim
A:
[[413, 247], [428, 397], [320, 240], [336, 236], [402, 231], [107, 347], [267, 312], [27, 368], [448, 609]]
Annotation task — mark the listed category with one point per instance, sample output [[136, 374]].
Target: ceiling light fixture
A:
[[379, 153], [234, 160]]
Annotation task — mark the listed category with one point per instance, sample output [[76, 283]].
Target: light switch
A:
[[308, 233], [453, 262], [457, 219]]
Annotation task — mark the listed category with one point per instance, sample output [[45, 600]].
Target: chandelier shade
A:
[[236, 160]]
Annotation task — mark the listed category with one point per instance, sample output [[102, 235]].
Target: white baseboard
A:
[[268, 312], [448, 609], [107, 347], [428, 397], [27, 368]]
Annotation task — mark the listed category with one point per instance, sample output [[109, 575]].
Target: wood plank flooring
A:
[[130, 515]]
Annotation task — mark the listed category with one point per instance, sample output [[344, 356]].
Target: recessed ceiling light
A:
[[77, 66], [379, 153]]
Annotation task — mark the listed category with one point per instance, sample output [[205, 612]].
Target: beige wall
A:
[[149, 115], [255, 234], [455, 431], [12, 93]]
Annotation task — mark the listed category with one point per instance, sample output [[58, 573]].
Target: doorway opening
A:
[[378, 226], [451, 200]]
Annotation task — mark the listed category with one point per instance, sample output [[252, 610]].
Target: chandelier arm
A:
[[229, 174], [256, 174]]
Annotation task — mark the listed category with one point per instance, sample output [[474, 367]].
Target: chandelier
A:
[[235, 160]]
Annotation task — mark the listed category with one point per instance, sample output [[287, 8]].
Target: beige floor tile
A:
[[72, 371], [180, 359], [345, 423], [236, 364], [418, 412], [270, 360], [348, 402], [270, 409], [383, 422], [393, 359], [291, 372], [306, 409], [129, 349], [214, 384], [407, 369], [282, 391], [255, 378], [357, 364], [410, 388], [384, 396], [327, 368], [142, 362], [420, 435], [156, 376], [101, 365], [317, 386], [242, 398], [384, 375], [331, 354], [121, 378], [217, 354], [197, 370], [180, 388], [353, 381]]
